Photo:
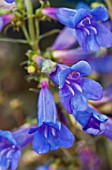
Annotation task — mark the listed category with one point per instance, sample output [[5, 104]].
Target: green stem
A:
[[29, 8], [26, 34], [13, 40], [37, 29], [49, 33]]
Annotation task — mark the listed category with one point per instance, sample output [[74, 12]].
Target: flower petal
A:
[[91, 89], [65, 97], [46, 107], [4, 163], [82, 117], [62, 76], [103, 36], [87, 42], [65, 39], [15, 159], [22, 133], [79, 102], [7, 137], [40, 143], [82, 67], [80, 15], [100, 13], [65, 16], [62, 137], [65, 137]]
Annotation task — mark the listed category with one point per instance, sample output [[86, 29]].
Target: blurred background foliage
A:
[[18, 103]]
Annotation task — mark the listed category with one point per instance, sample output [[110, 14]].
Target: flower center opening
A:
[[71, 82], [87, 25]]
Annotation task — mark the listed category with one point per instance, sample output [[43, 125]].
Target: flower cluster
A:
[[71, 71]]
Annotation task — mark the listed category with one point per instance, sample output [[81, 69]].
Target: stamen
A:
[[87, 31], [88, 20], [46, 132], [67, 82], [9, 153], [53, 131], [71, 90], [4, 150], [94, 29], [77, 86]]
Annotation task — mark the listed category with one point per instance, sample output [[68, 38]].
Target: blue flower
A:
[[90, 33], [92, 121], [75, 89], [11, 144], [9, 1], [50, 133]]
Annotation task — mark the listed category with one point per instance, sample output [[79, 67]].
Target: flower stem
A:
[[13, 40], [29, 8]]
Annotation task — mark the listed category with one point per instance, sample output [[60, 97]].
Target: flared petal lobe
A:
[[91, 89], [47, 138], [100, 13]]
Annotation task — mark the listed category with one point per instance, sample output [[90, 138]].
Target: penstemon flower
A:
[[11, 144], [74, 87], [92, 121], [48, 135], [90, 33]]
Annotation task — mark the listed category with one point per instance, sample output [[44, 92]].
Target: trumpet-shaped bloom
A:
[[4, 20], [49, 133], [11, 144], [90, 33], [92, 121], [75, 89]]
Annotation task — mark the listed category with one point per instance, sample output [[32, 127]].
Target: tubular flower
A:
[[5, 19], [92, 121], [74, 87], [11, 145], [49, 132], [91, 34]]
